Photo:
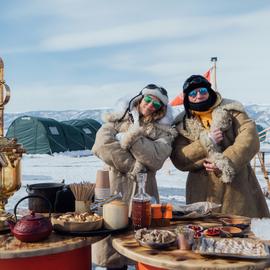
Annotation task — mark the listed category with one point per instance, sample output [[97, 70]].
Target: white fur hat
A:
[[150, 89], [157, 91]]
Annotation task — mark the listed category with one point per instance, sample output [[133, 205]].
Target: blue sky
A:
[[83, 54]]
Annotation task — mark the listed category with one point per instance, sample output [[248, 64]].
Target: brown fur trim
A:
[[224, 164], [131, 136], [207, 143], [217, 158], [221, 119]]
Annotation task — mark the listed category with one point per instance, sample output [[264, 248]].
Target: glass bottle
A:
[[141, 204]]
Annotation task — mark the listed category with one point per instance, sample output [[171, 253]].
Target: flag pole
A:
[[214, 60]]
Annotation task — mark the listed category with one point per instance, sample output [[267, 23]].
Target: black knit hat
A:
[[194, 82]]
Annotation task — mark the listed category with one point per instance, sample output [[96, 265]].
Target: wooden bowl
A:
[[230, 231], [157, 245], [213, 231], [72, 226], [240, 222]]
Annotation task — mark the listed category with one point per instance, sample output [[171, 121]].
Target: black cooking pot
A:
[[47, 190]]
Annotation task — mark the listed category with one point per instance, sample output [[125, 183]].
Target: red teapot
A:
[[33, 227]]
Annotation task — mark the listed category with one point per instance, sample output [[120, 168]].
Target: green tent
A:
[[89, 127], [38, 135], [45, 136], [75, 139]]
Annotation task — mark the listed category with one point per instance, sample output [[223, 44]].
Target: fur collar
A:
[[192, 129], [221, 118]]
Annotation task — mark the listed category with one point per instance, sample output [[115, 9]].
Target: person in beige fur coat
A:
[[137, 137], [216, 143]]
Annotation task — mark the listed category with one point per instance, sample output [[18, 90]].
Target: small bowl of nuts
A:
[[157, 239]]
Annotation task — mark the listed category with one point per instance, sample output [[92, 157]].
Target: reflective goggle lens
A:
[[202, 91], [155, 103]]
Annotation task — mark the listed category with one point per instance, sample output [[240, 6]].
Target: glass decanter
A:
[[141, 204]]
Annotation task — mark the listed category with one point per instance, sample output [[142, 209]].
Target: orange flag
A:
[[207, 74], [178, 100]]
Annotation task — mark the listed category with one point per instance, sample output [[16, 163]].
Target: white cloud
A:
[[165, 45], [117, 35]]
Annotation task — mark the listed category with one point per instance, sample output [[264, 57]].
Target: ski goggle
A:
[[157, 105], [202, 91], [195, 80], [162, 90]]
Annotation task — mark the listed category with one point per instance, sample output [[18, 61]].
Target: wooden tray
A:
[[99, 232], [231, 255]]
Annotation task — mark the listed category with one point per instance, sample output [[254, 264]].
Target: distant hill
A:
[[260, 113], [95, 114]]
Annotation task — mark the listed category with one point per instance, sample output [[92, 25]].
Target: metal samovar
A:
[[10, 154]]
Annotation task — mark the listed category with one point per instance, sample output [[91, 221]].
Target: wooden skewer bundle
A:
[[83, 191]]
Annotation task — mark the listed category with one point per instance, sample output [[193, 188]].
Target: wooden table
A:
[[56, 252], [173, 258]]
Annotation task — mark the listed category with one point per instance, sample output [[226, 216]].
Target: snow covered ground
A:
[[80, 166], [77, 166]]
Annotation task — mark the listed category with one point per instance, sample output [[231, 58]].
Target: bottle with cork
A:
[[141, 204]]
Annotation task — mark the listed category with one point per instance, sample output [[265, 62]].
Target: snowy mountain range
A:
[[95, 114], [260, 113]]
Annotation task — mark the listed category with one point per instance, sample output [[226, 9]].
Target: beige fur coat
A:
[[237, 189], [143, 146]]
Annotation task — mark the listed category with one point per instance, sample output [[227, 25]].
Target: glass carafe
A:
[[141, 204]]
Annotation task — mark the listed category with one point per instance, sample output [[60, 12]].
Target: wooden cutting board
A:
[[174, 258], [10, 247]]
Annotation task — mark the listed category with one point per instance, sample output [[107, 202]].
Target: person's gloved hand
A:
[[216, 135], [119, 136]]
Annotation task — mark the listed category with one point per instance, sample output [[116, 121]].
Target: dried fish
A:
[[237, 246]]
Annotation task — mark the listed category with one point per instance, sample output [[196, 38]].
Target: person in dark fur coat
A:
[[216, 143], [137, 137]]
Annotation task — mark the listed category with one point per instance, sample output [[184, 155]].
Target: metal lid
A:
[[32, 217]]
